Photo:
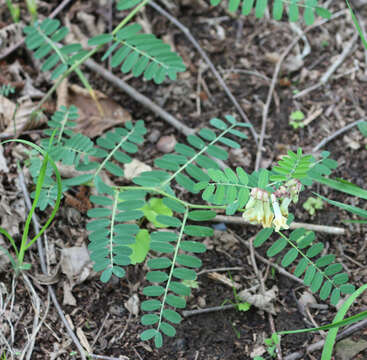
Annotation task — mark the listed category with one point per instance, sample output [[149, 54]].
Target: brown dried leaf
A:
[[261, 301], [91, 123], [18, 119], [75, 263], [83, 340], [134, 168], [132, 305]]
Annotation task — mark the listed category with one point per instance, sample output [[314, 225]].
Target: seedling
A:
[[312, 205], [296, 119], [14, 10]]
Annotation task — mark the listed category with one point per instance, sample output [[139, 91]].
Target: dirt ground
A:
[[245, 52]]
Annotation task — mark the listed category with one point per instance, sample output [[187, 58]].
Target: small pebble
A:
[[153, 136], [166, 144]]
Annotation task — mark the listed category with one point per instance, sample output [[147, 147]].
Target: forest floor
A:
[[245, 51]]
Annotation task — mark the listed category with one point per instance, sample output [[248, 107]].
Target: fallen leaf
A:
[[135, 168], [307, 298], [17, 119], [3, 165], [261, 301], [83, 340], [68, 298], [347, 349], [91, 122], [132, 305], [9, 36], [75, 264]]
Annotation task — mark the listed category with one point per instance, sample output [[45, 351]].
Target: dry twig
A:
[[319, 345], [107, 75], [294, 225], [336, 134], [325, 78]]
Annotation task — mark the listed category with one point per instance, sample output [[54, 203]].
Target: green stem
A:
[[205, 148], [172, 266], [310, 262], [24, 244], [163, 193], [109, 156], [40, 181], [129, 17], [114, 210]]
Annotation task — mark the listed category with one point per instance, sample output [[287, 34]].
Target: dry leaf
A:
[[90, 122], [258, 351], [307, 298], [261, 301], [132, 305], [9, 36], [18, 119], [68, 298], [135, 168], [75, 264], [3, 165], [83, 340], [347, 349]]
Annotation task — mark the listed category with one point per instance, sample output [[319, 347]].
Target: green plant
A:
[[296, 119], [119, 232], [363, 129], [14, 10], [6, 90], [293, 6], [240, 305], [18, 261], [312, 204], [32, 9]]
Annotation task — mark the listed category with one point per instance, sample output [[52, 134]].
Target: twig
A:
[[28, 349], [94, 356], [272, 86], [263, 290], [107, 75], [203, 54], [325, 78], [294, 225], [220, 269], [100, 330], [270, 263], [268, 100], [336, 133], [44, 269], [247, 72], [58, 9], [187, 313], [319, 345]]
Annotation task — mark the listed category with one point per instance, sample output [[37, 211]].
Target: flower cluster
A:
[[258, 210]]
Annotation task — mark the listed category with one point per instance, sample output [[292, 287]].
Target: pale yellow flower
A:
[[284, 206], [268, 215], [257, 210], [280, 221], [294, 186]]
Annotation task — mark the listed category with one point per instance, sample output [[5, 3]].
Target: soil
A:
[[233, 43]]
